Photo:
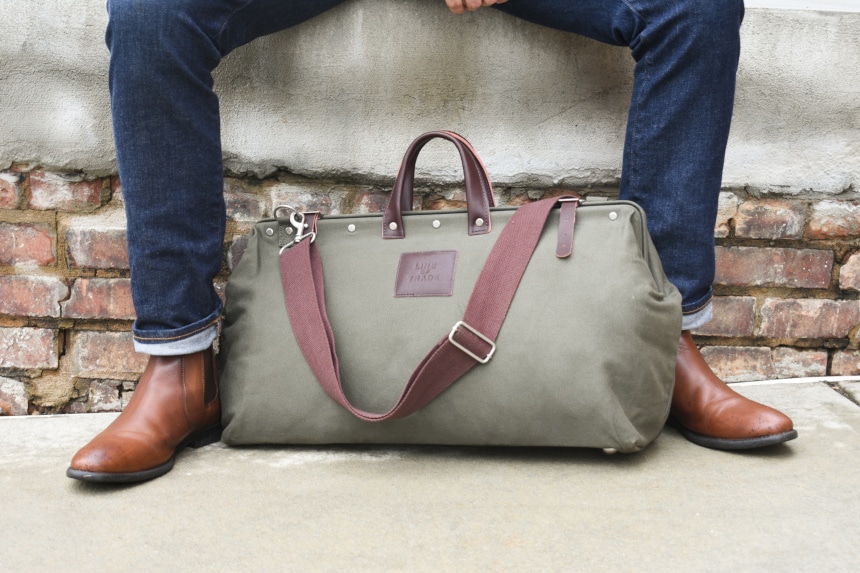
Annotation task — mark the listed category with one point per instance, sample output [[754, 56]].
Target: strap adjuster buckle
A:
[[466, 350]]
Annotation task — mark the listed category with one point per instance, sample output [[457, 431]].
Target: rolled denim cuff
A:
[[699, 318], [192, 338], [194, 343]]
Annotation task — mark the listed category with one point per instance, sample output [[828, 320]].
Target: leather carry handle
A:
[[479, 190], [472, 340]]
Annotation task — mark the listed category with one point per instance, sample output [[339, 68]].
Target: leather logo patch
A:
[[430, 273]]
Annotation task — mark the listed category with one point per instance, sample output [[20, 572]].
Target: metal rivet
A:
[[437, 223], [479, 222], [351, 228], [613, 215], [270, 231], [392, 225], [289, 230]]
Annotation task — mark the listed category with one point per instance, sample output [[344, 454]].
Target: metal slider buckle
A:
[[466, 350]]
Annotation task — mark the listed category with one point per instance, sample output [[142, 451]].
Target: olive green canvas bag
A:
[[548, 325]]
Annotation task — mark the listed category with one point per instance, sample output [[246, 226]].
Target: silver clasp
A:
[[297, 220], [298, 224]]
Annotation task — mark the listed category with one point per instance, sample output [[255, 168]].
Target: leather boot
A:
[[176, 404], [709, 413]]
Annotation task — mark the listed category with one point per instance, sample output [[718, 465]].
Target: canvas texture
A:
[[585, 357]]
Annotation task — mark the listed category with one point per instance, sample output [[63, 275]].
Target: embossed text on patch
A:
[[429, 273]]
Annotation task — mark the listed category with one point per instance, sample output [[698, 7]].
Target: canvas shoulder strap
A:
[[470, 342]]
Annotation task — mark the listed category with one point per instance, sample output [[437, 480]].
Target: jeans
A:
[[167, 133]]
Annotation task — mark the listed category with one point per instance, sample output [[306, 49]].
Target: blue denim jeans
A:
[[167, 132]]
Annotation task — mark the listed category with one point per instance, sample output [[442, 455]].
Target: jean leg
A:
[[686, 56], [167, 133]]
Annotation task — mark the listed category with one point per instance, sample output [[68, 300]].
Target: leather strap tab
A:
[[566, 223]]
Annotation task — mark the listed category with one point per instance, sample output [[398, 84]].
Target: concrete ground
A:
[[673, 507]]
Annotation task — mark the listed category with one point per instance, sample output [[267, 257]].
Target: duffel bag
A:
[[551, 324]]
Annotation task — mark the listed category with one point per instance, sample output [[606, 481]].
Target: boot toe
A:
[[770, 422], [121, 455], [735, 429]]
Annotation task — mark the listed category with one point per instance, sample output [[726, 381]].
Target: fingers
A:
[[456, 6], [461, 6]]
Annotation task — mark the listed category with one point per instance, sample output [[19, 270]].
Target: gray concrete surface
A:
[[673, 507], [344, 94]]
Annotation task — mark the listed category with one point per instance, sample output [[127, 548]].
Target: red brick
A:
[[305, 198], [242, 203], [733, 316], [28, 348], [22, 295], [808, 318], [769, 219], [27, 243], [50, 191], [438, 203], [10, 189], [834, 220], [846, 363], [849, 274], [751, 266], [105, 355], [97, 248], [792, 363], [127, 392], [221, 291], [103, 396], [100, 298], [739, 363], [116, 190], [370, 202], [237, 248], [517, 200], [13, 397], [728, 207]]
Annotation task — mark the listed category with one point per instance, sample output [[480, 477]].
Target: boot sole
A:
[[732, 443], [197, 440]]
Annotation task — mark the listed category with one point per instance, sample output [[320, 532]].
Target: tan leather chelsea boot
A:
[[709, 413], [176, 404]]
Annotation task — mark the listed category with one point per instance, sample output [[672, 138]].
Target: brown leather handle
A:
[[479, 190]]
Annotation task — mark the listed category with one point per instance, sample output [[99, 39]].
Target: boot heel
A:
[[205, 437]]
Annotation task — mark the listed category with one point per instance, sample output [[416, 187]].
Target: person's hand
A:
[[460, 6]]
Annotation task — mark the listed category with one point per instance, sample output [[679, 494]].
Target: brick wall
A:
[[788, 281]]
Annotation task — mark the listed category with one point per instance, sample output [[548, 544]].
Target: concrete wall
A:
[[339, 98], [343, 94]]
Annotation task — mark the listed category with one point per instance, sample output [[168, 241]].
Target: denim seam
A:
[[634, 10], [645, 77], [229, 17], [186, 335], [700, 307]]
